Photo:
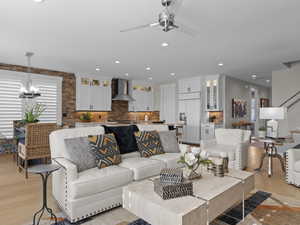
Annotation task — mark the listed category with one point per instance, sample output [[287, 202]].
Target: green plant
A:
[[33, 112], [262, 129], [86, 116], [192, 161]]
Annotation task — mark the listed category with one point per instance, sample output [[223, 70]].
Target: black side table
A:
[[45, 171]]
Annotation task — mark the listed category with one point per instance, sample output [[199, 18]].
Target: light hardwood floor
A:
[[20, 198]]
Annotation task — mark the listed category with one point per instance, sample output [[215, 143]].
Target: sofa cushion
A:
[[80, 154], [106, 150], [94, 181], [125, 137], [297, 166], [170, 159], [149, 143], [217, 149], [169, 141], [143, 167], [150, 127]]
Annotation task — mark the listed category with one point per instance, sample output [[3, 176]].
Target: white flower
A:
[[196, 151], [190, 159]]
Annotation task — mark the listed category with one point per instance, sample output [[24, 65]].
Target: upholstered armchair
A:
[[293, 167], [231, 143]]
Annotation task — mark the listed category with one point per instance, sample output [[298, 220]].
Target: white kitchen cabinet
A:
[[142, 92], [213, 88], [168, 103], [189, 85], [93, 96]]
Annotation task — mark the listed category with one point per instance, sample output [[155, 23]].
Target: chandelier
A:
[[29, 91]]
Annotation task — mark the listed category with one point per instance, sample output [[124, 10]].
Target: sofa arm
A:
[[183, 148], [69, 168], [241, 155], [207, 143]]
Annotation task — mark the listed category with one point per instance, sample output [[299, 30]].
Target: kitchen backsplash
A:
[[120, 112]]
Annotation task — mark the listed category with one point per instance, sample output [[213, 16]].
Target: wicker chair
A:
[[36, 144]]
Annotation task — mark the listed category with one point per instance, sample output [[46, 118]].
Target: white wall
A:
[[286, 83], [235, 88]]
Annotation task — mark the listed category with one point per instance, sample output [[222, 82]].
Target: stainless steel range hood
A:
[[120, 89]]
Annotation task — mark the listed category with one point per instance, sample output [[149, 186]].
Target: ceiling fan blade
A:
[[140, 27], [175, 6], [186, 29]]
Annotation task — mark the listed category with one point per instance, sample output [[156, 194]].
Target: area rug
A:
[[261, 208]]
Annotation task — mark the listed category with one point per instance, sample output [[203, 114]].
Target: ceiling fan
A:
[[166, 19]]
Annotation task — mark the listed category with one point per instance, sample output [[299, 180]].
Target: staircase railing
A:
[[289, 99]]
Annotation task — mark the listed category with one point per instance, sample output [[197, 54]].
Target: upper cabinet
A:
[[93, 93], [189, 85], [142, 92], [213, 92]]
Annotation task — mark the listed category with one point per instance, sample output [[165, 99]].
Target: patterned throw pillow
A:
[[106, 150], [148, 143]]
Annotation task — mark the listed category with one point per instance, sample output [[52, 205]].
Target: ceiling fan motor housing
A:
[[166, 2], [166, 20]]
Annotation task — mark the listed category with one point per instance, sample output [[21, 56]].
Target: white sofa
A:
[[233, 143], [81, 195], [293, 167]]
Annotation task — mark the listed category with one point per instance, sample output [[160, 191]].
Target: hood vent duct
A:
[[120, 90]]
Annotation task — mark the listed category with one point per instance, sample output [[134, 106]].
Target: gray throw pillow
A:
[[169, 141], [80, 154]]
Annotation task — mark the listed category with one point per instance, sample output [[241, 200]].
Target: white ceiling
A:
[[248, 36]]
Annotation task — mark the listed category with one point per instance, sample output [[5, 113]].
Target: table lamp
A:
[[272, 114]]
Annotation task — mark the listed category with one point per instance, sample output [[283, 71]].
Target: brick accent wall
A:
[[68, 88]]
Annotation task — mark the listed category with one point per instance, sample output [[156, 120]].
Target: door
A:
[[82, 95]]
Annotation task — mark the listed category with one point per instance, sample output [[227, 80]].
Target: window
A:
[[49, 98], [12, 107]]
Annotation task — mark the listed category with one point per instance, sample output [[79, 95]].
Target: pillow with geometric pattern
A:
[[148, 143], [106, 150]]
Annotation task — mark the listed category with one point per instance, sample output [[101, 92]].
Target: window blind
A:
[[49, 98], [10, 106]]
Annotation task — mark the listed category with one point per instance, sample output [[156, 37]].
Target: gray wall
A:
[[286, 83], [235, 88]]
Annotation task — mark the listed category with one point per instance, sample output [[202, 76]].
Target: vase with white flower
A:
[[192, 160]]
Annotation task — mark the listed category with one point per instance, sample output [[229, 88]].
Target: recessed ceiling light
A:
[[97, 69], [126, 74], [150, 78], [172, 74], [148, 68], [254, 76], [221, 64], [164, 44], [39, 1], [117, 61], [268, 81]]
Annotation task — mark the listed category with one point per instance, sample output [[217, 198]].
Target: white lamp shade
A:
[[273, 113]]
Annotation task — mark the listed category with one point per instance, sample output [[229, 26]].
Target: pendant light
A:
[[29, 91]]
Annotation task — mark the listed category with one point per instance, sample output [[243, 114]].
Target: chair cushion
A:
[[94, 181], [143, 167], [80, 154], [125, 137], [297, 166], [169, 141], [149, 143], [170, 159], [216, 150], [106, 150]]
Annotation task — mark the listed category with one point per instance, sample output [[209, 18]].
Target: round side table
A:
[[45, 171]]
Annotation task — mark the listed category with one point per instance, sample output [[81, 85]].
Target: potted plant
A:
[[192, 160], [262, 132], [86, 117], [33, 112]]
